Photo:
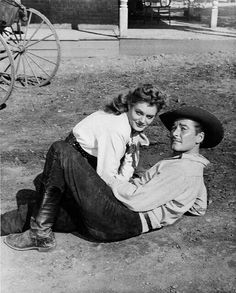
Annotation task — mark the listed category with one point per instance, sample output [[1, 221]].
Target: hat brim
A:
[[213, 128]]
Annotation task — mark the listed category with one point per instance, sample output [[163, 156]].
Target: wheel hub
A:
[[21, 49]]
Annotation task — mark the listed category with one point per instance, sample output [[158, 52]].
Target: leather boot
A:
[[29, 240], [40, 235]]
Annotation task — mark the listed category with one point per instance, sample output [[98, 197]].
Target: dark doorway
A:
[[140, 15]]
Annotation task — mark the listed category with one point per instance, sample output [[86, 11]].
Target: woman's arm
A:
[[111, 149]]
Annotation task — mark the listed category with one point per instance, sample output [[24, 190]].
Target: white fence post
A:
[[123, 18], [214, 14]]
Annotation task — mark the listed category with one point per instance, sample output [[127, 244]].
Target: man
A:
[[166, 191], [175, 185]]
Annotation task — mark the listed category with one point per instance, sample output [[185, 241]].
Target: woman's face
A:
[[141, 115]]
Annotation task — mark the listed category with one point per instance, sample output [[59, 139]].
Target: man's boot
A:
[[40, 235]]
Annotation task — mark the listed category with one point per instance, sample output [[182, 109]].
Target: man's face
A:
[[141, 115], [184, 138]]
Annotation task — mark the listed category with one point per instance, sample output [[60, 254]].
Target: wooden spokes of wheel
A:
[[35, 48], [7, 72]]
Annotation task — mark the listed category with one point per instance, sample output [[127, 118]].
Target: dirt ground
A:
[[193, 255]]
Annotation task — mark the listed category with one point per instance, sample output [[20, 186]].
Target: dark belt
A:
[[73, 142], [146, 216]]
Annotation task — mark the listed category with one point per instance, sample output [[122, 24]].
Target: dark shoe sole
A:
[[40, 249]]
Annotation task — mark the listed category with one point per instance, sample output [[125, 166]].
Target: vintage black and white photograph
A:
[[118, 146]]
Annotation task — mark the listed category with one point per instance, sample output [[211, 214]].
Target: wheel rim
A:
[[35, 49], [7, 71]]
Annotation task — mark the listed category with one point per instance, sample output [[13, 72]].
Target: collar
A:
[[195, 157], [140, 138]]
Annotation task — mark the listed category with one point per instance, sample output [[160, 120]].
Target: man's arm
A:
[[200, 205], [157, 189]]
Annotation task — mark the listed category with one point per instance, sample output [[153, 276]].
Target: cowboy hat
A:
[[212, 127]]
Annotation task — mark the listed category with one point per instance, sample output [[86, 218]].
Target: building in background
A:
[[78, 12], [117, 14]]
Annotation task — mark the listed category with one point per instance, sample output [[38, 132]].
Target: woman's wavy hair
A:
[[145, 93]]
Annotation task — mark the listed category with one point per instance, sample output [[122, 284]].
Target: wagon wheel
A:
[[35, 48], [7, 72]]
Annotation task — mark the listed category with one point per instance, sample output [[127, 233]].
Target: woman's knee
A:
[[57, 149], [58, 146]]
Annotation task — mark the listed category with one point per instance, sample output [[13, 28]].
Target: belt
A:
[[149, 223], [73, 142]]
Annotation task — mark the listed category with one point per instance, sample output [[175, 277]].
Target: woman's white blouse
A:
[[106, 136]]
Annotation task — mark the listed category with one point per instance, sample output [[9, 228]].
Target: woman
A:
[[104, 136], [106, 141]]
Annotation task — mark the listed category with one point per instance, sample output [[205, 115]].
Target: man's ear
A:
[[200, 137]]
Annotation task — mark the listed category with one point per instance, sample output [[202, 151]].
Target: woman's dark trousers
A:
[[86, 198]]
